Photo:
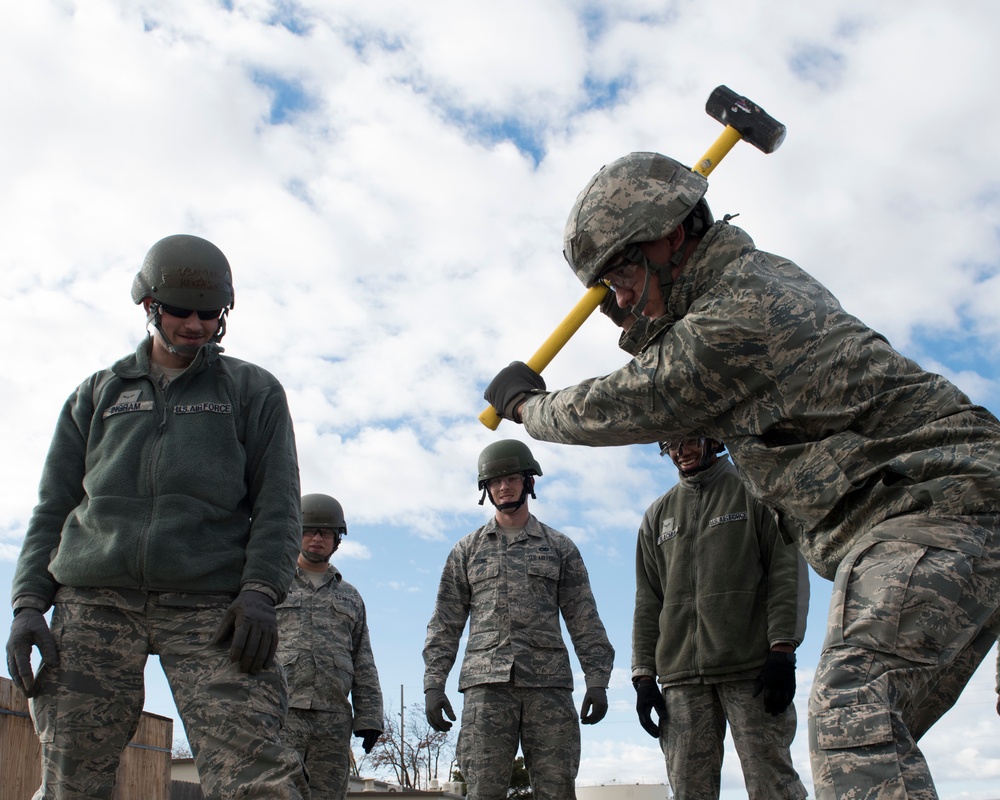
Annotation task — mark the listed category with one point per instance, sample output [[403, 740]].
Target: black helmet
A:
[[185, 271], [323, 511]]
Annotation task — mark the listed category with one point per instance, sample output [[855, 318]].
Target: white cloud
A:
[[391, 249]]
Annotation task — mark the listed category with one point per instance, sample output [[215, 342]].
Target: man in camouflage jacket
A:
[[886, 476], [511, 579], [325, 650], [720, 606]]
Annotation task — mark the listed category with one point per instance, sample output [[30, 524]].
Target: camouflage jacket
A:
[[716, 585], [192, 488], [513, 593], [825, 421], [324, 648]]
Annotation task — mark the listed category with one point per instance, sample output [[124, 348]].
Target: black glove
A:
[[595, 705], [436, 705], [510, 387], [368, 739], [252, 621], [29, 628], [649, 698], [777, 681]]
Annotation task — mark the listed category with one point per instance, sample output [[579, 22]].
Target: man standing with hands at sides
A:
[[720, 606], [511, 579], [333, 687], [167, 524]]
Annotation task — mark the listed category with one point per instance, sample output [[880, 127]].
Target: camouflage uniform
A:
[[142, 541], [516, 673], [326, 653], [886, 476], [716, 587]]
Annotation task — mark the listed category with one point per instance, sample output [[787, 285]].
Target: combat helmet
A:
[[638, 198], [187, 272], [506, 457], [323, 511]]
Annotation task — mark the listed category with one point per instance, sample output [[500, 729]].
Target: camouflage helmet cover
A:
[[185, 271], [504, 458], [323, 511], [640, 197]]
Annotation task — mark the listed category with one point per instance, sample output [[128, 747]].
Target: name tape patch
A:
[[668, 530], [739, 516], [127, 402], [205, 408]]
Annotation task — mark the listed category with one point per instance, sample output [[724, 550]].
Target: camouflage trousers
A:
[[496, 717], [913, 614], [323, 740], [692, 742], [88, 709]]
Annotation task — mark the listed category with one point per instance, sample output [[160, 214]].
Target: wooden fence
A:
[[143, 774]]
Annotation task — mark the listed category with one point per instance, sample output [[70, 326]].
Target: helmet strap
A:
[[187, 351], [664, 273], [707, 458], [315, 558], [508, 508]]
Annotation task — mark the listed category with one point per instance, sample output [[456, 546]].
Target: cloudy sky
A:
[[390, 181]]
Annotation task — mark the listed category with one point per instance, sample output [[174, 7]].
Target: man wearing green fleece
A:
[[720, 606], [168, 523]]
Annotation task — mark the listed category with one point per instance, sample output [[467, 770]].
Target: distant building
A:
[[182, 770], [624, 791]]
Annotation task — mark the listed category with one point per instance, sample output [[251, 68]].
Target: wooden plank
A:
[[143, 774]]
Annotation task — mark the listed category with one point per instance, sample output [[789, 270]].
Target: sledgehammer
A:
[[743, 119]]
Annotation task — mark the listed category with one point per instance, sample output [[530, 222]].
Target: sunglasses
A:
[[620, 273], [184, 313]]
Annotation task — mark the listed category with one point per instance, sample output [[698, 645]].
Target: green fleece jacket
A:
[[716, 585], [191, 489]]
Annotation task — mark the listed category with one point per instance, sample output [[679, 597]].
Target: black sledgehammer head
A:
[[754, 124]]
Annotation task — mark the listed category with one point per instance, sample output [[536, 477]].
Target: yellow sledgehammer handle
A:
[[727, 141], [563, 333], [595, 294]]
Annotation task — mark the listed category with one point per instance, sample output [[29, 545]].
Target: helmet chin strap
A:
[[187, 351], [707, 458], [664, 273], [527, 489], [315, 558]]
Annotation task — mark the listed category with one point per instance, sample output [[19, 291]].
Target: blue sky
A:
[[390, 182]]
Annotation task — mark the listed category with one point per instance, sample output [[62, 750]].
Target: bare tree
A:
[[180, 749], [420, 757]]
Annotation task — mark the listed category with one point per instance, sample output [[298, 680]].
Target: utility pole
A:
[[402, 740]]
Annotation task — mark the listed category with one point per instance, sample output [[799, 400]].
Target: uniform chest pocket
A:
[[481, 570], [290, 622], [547, 568], [346, 608]]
